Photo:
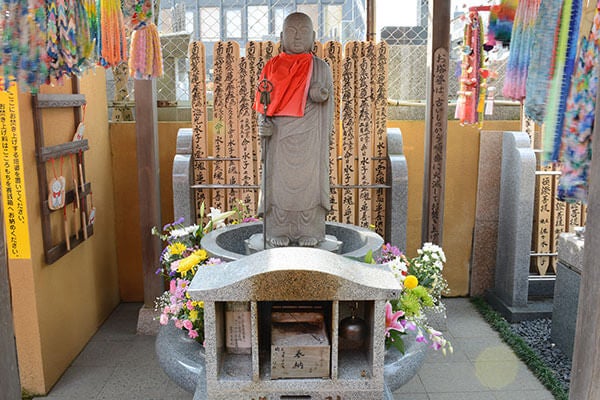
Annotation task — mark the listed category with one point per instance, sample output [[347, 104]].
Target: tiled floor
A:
[[119, 365]]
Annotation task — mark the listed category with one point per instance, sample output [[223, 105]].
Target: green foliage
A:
[[395, 339], [369, 257]]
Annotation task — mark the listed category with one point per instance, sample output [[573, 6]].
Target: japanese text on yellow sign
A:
[[13, 180]]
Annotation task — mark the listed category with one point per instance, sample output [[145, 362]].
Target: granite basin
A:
[[228, 243]]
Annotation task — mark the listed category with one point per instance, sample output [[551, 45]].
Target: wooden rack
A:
[[55, 249]]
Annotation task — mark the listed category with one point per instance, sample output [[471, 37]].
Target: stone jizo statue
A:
[[297, 128]]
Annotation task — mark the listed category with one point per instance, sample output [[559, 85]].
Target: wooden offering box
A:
[[300, 347]]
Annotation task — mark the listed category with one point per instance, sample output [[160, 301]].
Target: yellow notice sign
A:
[[13, 180]]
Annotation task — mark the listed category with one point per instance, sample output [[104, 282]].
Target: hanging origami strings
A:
[[84, 42], [500, 22], [521, 44], [113, 48], [145, 60], [566, 48], [61, 47], [23, 27], [541, 66], [579, 120], [91, 10], [471, 96], [69, 47], [11, 49]]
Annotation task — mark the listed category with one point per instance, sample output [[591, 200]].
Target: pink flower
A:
[[164, 319], [193, 334], [187, 324], [179, 324], [391, 319], [189, 305], [174, 265], [172, 286], [213, 261]]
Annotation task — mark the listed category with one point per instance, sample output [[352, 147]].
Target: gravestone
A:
[[566, 291], [510, 295]]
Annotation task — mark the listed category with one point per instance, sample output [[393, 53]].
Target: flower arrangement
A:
[[181, 257], [422, 287]]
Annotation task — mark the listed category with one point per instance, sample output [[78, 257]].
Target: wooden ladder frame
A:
[[53, 251]]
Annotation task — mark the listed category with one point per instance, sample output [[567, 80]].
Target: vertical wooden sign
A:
[[365, 145], [574, 216], [219, 150], [199, 121], [269, 50], [246, 124], [254, 65], [348, 177], [332, 51], [380, 129], [560, 220], [435, 148], [436, 121], [318, 49], [542, 226], [232, 131]]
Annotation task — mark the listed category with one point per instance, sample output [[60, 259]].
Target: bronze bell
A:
[[353, 330]]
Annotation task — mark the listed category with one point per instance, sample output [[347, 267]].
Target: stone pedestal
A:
[[566, 291]]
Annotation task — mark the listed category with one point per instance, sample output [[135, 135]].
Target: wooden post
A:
[[371, 21], [586, 353], [146, 128], [436, 121], [9, 371]]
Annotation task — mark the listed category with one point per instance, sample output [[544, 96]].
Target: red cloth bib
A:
[[290, 75]]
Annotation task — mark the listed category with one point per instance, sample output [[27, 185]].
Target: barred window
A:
[[233, 23], [333, 22], [258, 22], [210, 23]]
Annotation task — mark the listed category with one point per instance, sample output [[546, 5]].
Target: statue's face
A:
[[298, 35]]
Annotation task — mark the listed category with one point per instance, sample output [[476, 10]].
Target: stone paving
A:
[[117, 364]]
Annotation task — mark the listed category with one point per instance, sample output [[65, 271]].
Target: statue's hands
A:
[[318, 94], [265, 126]]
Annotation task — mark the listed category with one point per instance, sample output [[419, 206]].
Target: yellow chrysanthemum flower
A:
[[202, 254], [176, 248], [411, 282], [201, 304], [188, 263], [193, 316]]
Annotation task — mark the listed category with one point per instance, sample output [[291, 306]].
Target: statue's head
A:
[[298, 35]]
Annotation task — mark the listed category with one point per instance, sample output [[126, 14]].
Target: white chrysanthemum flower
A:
[[181, 232], [399, 269]]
